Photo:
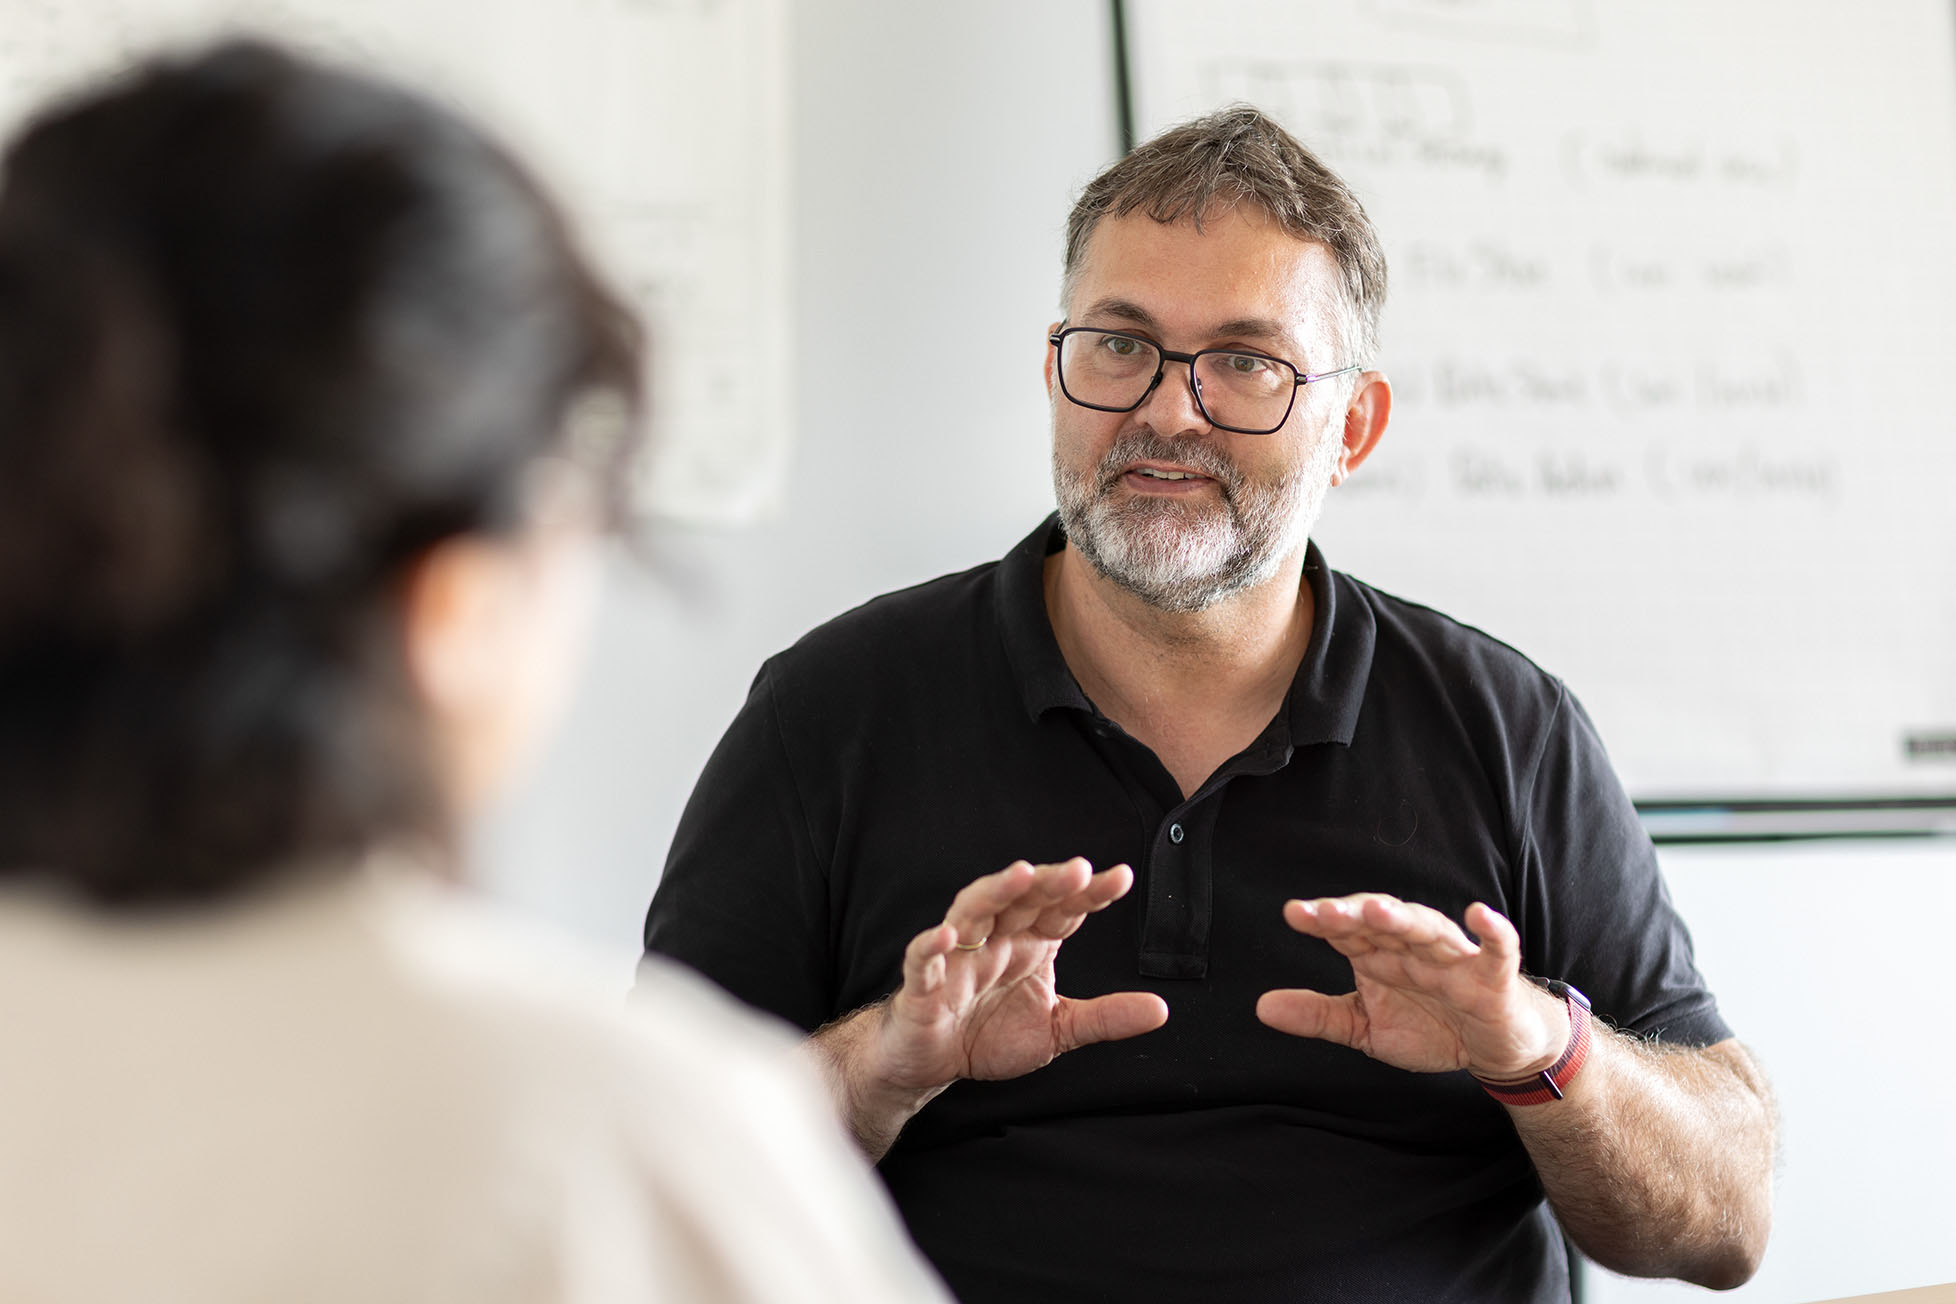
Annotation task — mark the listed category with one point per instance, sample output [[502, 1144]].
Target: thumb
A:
[[1304, 1013], [1107, 1018]]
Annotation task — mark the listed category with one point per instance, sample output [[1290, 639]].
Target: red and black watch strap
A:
[[1540, 1088]]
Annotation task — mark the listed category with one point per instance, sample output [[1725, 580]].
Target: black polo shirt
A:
[[936, 734]]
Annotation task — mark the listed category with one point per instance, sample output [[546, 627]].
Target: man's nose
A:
[[1171, 408]]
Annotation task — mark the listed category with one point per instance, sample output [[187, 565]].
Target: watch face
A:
[[1567, 992]]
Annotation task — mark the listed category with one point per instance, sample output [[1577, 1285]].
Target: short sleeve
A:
[[1597, 911], [744, 896]]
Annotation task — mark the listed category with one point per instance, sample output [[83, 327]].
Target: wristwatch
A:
[[1540, 1088]]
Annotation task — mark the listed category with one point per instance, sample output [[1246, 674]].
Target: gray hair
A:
[[1233, 156]]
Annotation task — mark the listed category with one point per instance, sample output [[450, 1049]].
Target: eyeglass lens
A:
[[1242, 390]]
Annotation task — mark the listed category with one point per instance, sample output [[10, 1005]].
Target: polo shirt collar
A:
[[1324, 699], [1030, 646]]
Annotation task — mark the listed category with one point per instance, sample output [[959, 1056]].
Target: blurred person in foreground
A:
[[308, 409]]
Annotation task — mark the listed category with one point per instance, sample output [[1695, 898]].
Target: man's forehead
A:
[[1239, 273], [1115, 309]]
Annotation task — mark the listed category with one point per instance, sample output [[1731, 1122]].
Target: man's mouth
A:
[[1152, 470], [1168, 480]]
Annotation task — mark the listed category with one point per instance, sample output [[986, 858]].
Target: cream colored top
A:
[[373, 1088]]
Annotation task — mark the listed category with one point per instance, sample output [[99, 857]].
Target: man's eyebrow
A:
[[1257, 328], [1251, 327], [1124, 309]]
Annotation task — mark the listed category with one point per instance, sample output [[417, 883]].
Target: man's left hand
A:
[[1429, 998]]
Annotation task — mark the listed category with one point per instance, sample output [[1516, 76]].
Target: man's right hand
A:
[[978, 999]]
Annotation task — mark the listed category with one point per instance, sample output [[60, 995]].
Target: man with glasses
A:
[[1374, 862]]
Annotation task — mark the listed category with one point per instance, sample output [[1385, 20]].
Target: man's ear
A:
[[1365, 421], [491, 631], [453, 601], [1052, 356]]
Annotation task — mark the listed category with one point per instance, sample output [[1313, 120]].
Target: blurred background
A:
[[844, 219]]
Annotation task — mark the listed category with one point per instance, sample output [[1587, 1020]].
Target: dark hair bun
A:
[[267, 331], [103, 510]]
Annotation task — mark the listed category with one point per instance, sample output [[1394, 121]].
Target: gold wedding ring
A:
[[978, 945]]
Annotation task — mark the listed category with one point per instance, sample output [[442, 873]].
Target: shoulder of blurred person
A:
[[308, 403], [372, 1086]]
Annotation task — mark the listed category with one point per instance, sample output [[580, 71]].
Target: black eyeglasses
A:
[[1244, 393]]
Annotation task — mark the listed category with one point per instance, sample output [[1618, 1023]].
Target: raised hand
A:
[[978, 998], [1428, 998]]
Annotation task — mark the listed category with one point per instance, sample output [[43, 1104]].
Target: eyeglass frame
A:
[[1300, 378]]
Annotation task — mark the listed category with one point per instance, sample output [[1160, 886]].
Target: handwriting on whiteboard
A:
[[1564, 23]]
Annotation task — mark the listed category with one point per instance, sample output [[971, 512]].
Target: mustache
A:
[[1145, 445]]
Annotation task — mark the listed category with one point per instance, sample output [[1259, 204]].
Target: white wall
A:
[[1831, 960], [937, 149]]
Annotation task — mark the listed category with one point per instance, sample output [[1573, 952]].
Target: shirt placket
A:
[[1177, 882], [1180, 889]]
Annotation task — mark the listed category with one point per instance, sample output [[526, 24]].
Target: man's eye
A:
[[1121, 346], [1247, 364]]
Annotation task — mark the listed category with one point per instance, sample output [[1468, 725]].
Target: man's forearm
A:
[[874, 1110], [1659, 1160]]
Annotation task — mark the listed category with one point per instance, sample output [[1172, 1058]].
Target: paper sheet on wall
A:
[[662, 123]]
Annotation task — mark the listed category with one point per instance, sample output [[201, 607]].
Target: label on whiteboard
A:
[[1931, 747]]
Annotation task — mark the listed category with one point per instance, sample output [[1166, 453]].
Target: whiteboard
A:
[[1672, 332], [662, 124]]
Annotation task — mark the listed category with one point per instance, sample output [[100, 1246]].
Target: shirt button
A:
[[1175, 834]]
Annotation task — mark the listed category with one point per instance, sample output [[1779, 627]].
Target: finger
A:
[[1055, 887], [1363, 912], [1500, 942], [1332, 916], [1329, 920], [976, 908], [1382, 922], [1102, 890], [1109, 886], [1059, 882], [1107, 1018], [1409, 926], [1304, 1013], [924, 959]]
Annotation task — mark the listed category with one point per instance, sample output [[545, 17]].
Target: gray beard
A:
[[1178, 556]]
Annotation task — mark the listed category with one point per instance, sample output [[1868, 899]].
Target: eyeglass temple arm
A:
[[1304, 379]]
